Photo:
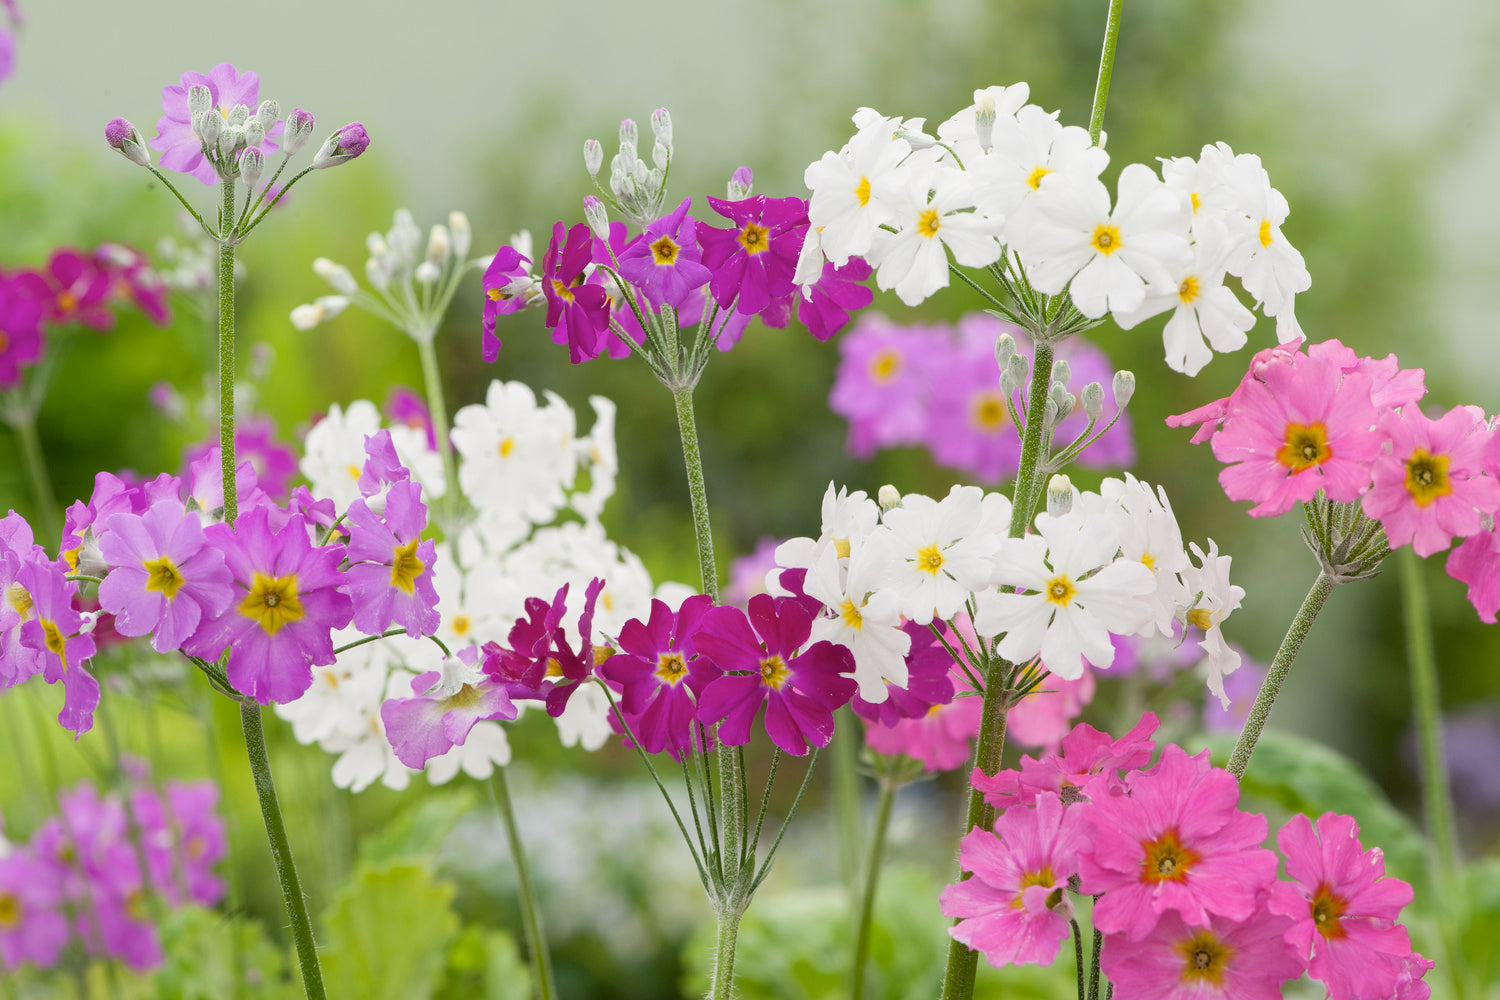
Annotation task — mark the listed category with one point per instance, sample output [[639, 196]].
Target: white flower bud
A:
[[255, 133], [252, 165], [299, 127], [593, 157], [1103, 138], [267, 114], [463, 236], [1062, 372], [337, 276], [439, 245], [597, 218], [376, 273], [661, 127], [660, 156], [229, 140], [207, 126], [1124, 388], [889, 497], [629, 136], [200, 99], [239, 116], [1005, 349], [376, 245], [1017, 371], [1059, 495], [1063, 399], [427, 272], [1093, 400], [917, 140], [307, 316], [332, 305]]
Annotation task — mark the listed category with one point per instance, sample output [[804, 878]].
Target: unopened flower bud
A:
[[229, 140], [255, 133], [125, 139], [239, 116], [1103, 138], [299, 126], [252, 165], [889, 497], [1017, 371], [208, 126], [439, 244], [1124, 388], [740, 183], [307, 316], [376, 273], [661, 127], [593, 156], [660, 155], [1005, 349], [1093, 400], [463, 236], [344, 145], [1063, 399], [1062, 372], [629, 138], [200, 98], [267, 114], [597, 218], [917, 140], [376, 245], [332, 305], [1059, 495], [337, 276], [427, 272]]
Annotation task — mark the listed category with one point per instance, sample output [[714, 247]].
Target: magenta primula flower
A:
[[765, 663], [33, 924], [181, 150], [286, 606], [1175, 842], [55, 633], [507, 282], [1297, 427], [882, 383], [182, 838], [661, 676], [1015, 909], [72, 289], [539, 663], [390, 579], [164, 578], [930, 676], [1344, 908], [664, 262], [576, 308], [1221, 959], [132, 279], [839, 293], [448, 704], [753, 262], [1431, 486], [21, 339]]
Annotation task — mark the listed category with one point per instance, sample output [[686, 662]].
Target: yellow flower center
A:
[[841, 548], [554, 667], [1201, 618], [988, 411], [507, 445], [56, 643], [465, 697], [70, 556], [497, 295], [671, 667], [851, 616], [1427, 477], [1265, 232], [1326, 911], [773, 672], [1205, 956], [10, 911], [1106, 239], [1060, 590], [1035, 180], [19, 599], [930, 560], [664, 251], [272, 602], [1042, 876], [353, 471], [406, 567], [1166, 859], [4, 341], [862, 191], [563, 291], [460, 624], [885, 365], [1148, 560], [1306, 446], [1188, 291], [1196, 203], [66, 301], [163, 577], [928, 223], [755, 238]]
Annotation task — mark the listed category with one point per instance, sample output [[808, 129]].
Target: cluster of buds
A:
[[636, 191], [232, 138]]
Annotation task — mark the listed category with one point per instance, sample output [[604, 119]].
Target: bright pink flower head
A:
[[33, 926], [753, 262], [1015, 909], [1477, 563], [1209, 417], [1391, 386], [73, 289], [282, 626], [576, 308], [390, 579], [1431, 486], [21, 338], [54, 633], [1175, 842], [765, 663], [1344, 908], [1221, 959], [661, 676], [1086, 755], [1299, 427], [664, 263], [181, 149]]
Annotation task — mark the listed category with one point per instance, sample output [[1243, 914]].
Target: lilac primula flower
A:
[[753, 262], [33, 924], [164, 577], [7, 53], [282, 627], [181, 150], [452, 701], [661, 676], [409, 409], [766, 664], [55, 632], [665, 262], [391, 576], [182, 839], [838, 294], [18, 662]]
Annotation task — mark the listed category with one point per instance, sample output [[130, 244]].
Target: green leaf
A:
[[416, 834], [201, 963], [485, 963], [387, 934]]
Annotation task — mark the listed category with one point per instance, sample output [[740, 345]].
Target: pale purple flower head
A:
[[664, 263], [409, 409], [54, 633], [33, 924], [883, 381], [447, 706], [390, 579], [181, 148], [182, 839]]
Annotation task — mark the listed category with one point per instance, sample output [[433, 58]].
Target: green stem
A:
[[438, 408], [531, 914], [883, 801], [1106, 70], [36, 471], [697, 490], [846, 788], [1280, 667], [1436, 801], [226, 354], [1096, 949], [729, 929], [281, 852]]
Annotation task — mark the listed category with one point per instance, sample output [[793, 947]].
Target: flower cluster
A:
[[80, 874], [1187, 898], [1005, 183], [939, 387], [1327, 423]]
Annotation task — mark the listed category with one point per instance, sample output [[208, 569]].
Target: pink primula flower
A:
[[33, 926], [447, 706], [55, 633], [1087, 754], [1221, 960]]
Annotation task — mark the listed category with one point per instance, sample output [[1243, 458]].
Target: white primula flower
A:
[[1214, 599], [1202, 184], [598, 455], [338, 701], [866, 613], [484, 749], [1149, 534], [933, 215], [1270, 268], [517, 456], [479, 604], [1104, 258], [848, 519], [366, 755], [944, 551], [843, 209], [333, 454], [966, 136], [1074, 594], [1027, 148]]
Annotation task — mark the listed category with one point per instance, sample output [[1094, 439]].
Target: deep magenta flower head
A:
[[55, 632], [72, 289], [344, 145], [929, 682], [1344, 908], [664, 263], [125, 139], [539, 662], [506, 282], [1176, 842], [133, 280], [1221, 959], [1015, 909], [164, 578], [753, 262], [20, 330], [661, 676], [765, 663], [578, 309], [390, 579], [447, 706], [281, 627], [941, 739], [839, 293], [33, 924], [181, 147]]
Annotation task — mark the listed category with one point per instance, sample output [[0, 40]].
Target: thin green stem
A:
[[846, 811], [1437, 804], [883, 801], [697, 490], [1077, 936], [226, 355], [531, 914], [1097, 949], [1280, 666], [724, 945], [191, 210], [437, 406], [281, 852], [36, 472], [1106, 70]]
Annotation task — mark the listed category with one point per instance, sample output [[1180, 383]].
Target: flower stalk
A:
[[531, 914], [884, 799]]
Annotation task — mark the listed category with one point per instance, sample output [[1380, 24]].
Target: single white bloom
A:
[[1149, 534], [1027, 148], [1270, 268], [485, 748], [962, 132], [944, 551], [843, 209], [597, 454], [1214, 599], [933, 212], [517, 456], [333, 453], [864, 613]]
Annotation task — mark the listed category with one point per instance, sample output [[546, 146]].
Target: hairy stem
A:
[[697, 490], [883, 802], [531, 914], [226, 353], [1106, 70], [438, 408]]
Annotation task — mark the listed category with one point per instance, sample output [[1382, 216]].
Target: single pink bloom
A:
[[1344, 908], [1431, 486], [1046, 715], [1220, 960], [1015, 909]]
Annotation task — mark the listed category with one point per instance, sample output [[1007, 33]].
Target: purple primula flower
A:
[[33, 926], [272, 463], [507, 287], [73, 289], [928, 682], [409, 409], [164, 578], [7, 53], [203, 481], [182, 150], [664, 263], [18, 662], [282, 627], [382, 468], [391, 576], [20, 330], [753, 263], [539, 664], [765, 663], [838, 294], [576, 308], [451, 702], [182, 839], [133, 279], [83, 525], [55, 632], [661, 676]]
